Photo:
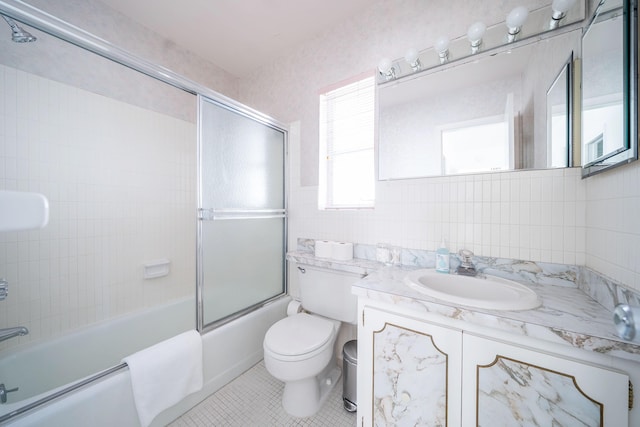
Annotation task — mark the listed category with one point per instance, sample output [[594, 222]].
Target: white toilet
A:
[[299, 348]]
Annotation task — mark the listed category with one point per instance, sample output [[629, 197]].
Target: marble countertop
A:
[[567, 315]]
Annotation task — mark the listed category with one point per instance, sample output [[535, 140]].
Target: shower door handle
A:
[[225, 214]]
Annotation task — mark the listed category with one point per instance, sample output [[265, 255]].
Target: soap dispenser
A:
[[442, 258]]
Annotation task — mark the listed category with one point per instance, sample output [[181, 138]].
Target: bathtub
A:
[[228, 351]]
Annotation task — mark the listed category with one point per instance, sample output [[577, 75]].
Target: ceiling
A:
[[238, 35]]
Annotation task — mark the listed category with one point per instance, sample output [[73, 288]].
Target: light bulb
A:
[[442, 44], [516, 17], [562, 6], [514, 22], [475, 32], [442, 47], [384, 66], [411, 56], [559, 10]]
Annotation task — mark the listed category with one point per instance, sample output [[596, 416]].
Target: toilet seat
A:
[[298, 337]]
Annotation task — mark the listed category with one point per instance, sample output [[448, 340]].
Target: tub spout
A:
[[8, 333]]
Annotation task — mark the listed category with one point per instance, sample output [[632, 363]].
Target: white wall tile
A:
[[121, 191], [417, 213]]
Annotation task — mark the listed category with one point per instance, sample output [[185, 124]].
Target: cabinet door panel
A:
[[507, 385], [415, 368]]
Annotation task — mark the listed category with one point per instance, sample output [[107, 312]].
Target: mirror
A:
[[559, 118], [609, 136], [487, 114]]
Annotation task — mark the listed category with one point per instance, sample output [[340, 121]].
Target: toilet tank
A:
[[328, 292]]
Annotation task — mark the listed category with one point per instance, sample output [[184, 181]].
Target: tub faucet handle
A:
[[4, 289], [4, 391]]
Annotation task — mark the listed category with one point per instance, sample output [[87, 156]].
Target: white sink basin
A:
[[488, 292]]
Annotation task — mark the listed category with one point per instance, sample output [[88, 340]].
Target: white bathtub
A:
[[228, 351]]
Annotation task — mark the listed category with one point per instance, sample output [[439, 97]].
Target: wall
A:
[[550, 216], [613, 224], [288, 87], [529, 215], [114, 151], [120, 181], [104, 22]]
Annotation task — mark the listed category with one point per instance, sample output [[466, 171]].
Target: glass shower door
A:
[[242, 216]]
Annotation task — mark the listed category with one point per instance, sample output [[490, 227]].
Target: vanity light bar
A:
[[522, 26]]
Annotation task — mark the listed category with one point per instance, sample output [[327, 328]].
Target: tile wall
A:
[[613, 224], [121, 185], [529, 215], [544, 216]]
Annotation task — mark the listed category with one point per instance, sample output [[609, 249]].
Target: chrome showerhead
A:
[[18, 34]]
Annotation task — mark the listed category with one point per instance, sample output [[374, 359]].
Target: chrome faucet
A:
[[8, 333], [466, 267], [4, 391]]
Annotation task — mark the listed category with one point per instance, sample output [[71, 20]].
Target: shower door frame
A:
[[204, 214]]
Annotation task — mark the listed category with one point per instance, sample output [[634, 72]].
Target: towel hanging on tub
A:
[[165, 373]]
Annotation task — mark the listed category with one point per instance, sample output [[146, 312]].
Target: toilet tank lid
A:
[[298, 334]]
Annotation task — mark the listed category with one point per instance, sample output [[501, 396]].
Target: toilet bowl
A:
[[299, 349]]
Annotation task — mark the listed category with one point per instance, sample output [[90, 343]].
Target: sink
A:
[[490, 292]]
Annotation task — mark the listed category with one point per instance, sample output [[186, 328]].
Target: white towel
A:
[[163, 374]]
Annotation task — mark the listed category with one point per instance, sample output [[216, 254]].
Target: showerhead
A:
[[18, 34]]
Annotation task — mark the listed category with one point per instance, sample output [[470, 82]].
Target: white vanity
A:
[[424, 361]]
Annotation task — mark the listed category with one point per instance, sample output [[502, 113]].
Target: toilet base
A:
[[305, 397]]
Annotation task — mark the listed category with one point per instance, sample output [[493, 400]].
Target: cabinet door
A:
[[506, 385], [409, 372]]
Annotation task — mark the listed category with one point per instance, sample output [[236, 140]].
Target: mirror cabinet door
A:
[[609, 88]]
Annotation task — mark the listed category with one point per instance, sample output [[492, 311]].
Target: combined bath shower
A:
[[19, 34]]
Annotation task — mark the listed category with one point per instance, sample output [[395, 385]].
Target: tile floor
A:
[[254, 399]]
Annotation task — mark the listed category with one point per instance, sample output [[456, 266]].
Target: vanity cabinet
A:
[[410, 374], [413, 372], [510, 385]]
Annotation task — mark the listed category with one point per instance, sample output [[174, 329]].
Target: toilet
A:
[[299, 349]]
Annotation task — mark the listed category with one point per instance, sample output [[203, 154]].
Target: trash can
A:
[[349, 369]]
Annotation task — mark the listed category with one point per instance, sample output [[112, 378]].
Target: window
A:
[[479, 146], [347, 172]]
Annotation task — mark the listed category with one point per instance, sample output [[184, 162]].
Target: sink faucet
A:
[[466, 267], [7, 333]]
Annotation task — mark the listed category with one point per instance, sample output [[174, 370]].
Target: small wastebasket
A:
[[349, 369]]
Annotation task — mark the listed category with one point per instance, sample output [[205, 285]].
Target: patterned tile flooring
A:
[[254, 399]]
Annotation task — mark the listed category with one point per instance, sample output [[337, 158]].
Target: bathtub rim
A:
[[271, 312], [49, 396]]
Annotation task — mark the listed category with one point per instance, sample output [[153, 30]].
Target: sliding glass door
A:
[[242, 212]]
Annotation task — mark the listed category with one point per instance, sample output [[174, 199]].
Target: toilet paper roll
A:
[[342, 251], [323, 249], [294, 307]]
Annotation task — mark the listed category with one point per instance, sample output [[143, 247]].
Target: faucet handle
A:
[[4, 391], [4, 289], [466, 254]]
